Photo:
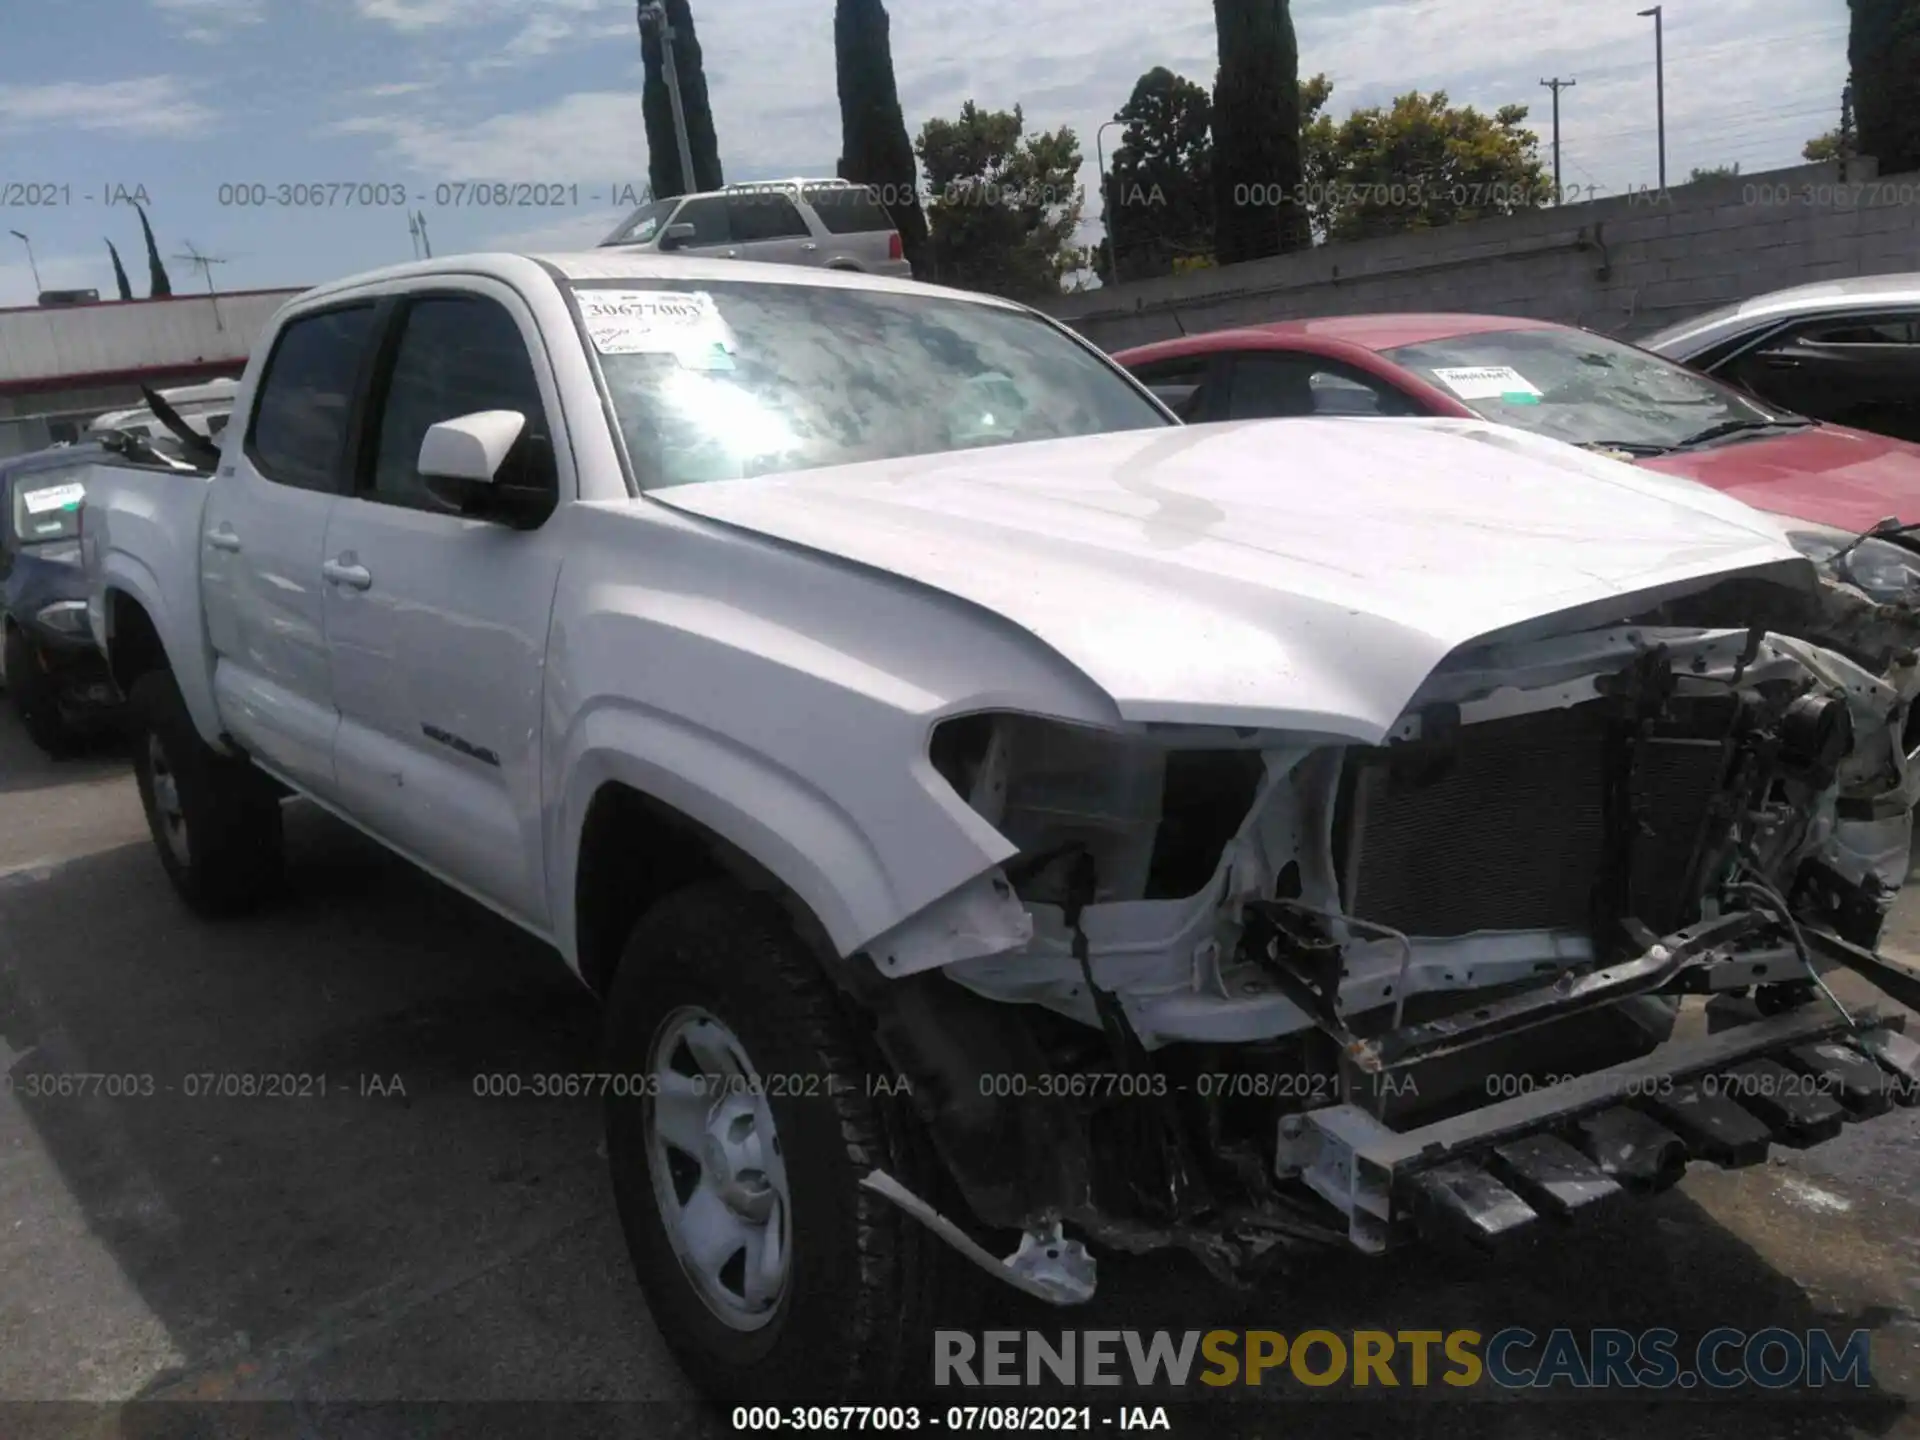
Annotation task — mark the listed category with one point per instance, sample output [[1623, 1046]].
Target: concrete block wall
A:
[[1627, 265]]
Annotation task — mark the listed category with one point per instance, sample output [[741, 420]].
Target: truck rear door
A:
[[262, 532]]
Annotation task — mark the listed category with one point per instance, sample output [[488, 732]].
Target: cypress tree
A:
[[120, 273], [1883, 47], [157, 282], [1256, 132], [874, 148], [656, 108]]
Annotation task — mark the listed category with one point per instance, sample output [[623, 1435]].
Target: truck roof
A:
[[616, 264]]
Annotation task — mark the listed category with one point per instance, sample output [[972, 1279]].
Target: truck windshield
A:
[[46, 508], [729, 379]]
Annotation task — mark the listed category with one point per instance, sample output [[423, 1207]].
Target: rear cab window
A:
[[298, 432]]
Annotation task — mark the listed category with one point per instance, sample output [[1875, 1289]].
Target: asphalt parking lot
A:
[[401, 1238]]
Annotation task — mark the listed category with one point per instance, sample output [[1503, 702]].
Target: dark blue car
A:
[[53, 671]]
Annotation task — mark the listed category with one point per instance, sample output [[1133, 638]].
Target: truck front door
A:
[[262, 531], [437, 622]]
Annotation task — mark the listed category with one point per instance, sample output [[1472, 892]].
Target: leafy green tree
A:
[[157, 282], [874, 147], [120, 274], [1003, 204], [1831, 146], [1883, 47], [656, 107], [1713, 172], [1257, 170], [1160, 186], [1839, 143], [1417, 164]]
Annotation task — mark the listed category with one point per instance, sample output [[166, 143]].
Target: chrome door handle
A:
[[733, 254], [808, 245], [223, 538], [343, 572]]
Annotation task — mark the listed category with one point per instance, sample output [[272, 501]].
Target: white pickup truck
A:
[[1005, 824]]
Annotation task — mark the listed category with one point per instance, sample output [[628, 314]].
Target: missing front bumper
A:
[[1572, 1149]]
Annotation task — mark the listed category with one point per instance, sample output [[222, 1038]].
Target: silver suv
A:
[[830, 223]]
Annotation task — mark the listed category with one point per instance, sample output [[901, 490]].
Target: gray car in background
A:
[[1844, 351], [828, 223]]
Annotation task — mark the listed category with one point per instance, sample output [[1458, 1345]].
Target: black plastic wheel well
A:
[[634, 851], [133, 644]]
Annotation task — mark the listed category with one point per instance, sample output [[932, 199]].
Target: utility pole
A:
[[21, 236], [1660, 85], [1557, 85], [1106, 203], [653, 19]]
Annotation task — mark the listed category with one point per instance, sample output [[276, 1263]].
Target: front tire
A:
[[772, 1273], [214, 819], [36, 699]]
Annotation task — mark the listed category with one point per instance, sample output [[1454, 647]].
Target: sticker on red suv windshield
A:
[[686, 324], [1487, 382]]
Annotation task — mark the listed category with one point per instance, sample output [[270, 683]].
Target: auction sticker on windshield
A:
[[1486, 382], [55, 497], [658, 322]]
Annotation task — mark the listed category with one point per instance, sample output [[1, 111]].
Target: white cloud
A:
[[417, 15], [394, 90], [155, 105], [592, 137], [211, 21]]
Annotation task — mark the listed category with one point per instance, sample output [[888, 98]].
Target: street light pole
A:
[[1106, 207], [20, 235], [1557, 85], [653, 16], [1660, 85]]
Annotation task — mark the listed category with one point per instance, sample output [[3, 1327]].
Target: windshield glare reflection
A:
[[739, 378]]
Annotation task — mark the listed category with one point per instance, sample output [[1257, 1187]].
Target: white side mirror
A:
[[470, 447]]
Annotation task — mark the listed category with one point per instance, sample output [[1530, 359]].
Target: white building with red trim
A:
[[62, 365]]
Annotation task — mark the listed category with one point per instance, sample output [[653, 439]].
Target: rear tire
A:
[[36, 699], [214, 819], [862, 1285]]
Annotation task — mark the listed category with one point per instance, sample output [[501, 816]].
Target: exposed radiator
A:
[[1502, 826]]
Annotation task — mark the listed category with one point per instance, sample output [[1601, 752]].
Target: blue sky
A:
[[178, 97]]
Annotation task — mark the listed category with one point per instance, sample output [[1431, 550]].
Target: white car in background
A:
[[833, 224]]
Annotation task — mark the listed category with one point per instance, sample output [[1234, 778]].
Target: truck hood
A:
[[1301, 574]]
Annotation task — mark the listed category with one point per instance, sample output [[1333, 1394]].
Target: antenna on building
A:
[[204, 264]]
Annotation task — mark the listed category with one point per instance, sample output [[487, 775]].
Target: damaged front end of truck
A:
[[1569, 925]]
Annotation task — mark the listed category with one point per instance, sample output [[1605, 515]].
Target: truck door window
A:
[[1273, 384], [456, 354], [299, 428], [1181, 385], [709, 217]]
